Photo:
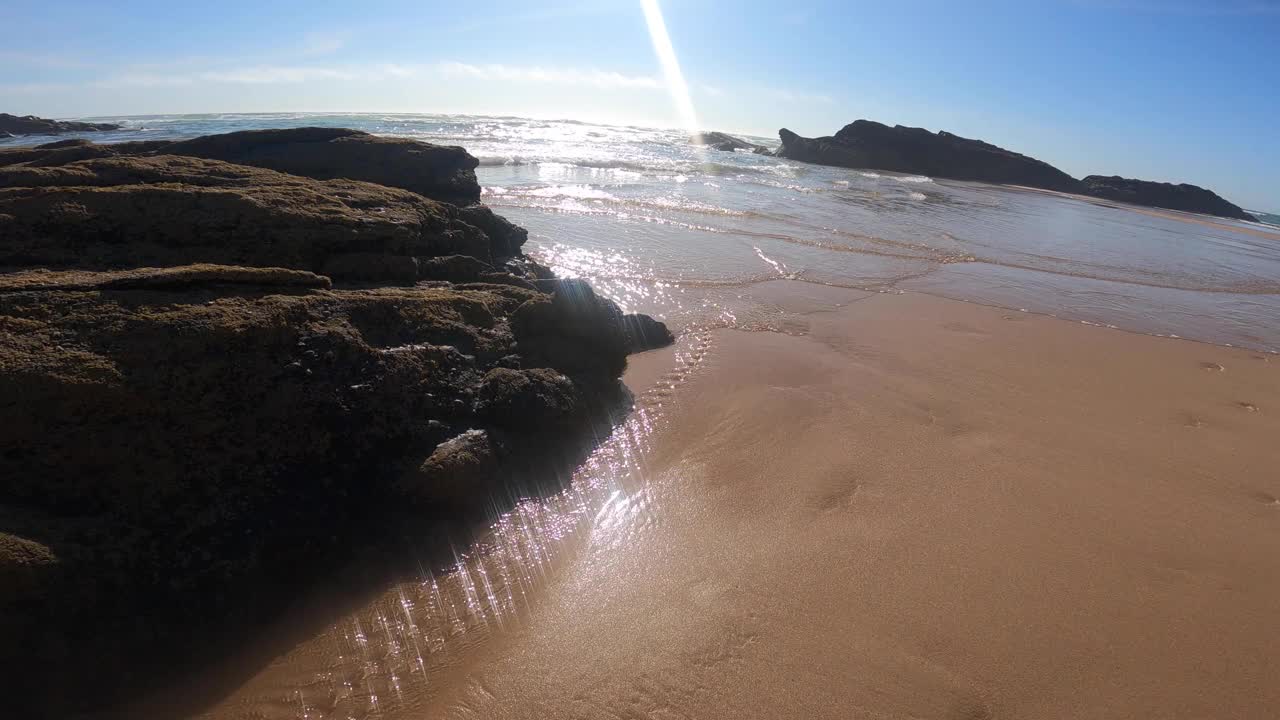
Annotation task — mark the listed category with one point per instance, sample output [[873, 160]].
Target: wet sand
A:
[[898, 507]]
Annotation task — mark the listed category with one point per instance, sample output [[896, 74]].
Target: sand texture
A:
[[906, 508]]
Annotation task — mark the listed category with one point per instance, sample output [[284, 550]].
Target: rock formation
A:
[[222, 358], [727, 143], [868, 144], [1188, 198], [13, 125]]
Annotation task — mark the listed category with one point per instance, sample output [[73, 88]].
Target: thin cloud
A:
[[259, 75], [43, 59], [554, 76], [269, 75], [292, 74], [34, 88], [322, 43]]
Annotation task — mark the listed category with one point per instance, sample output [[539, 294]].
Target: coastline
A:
[[909, 506]]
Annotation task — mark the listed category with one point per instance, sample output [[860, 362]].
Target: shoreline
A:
[[1190, 217], [915, 506]]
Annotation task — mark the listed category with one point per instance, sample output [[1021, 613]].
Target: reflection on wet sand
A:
[[395, 652]]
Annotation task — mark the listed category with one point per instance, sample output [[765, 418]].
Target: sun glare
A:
[[670, 65]]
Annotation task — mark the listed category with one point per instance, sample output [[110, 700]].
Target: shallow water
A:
[[685, 232]]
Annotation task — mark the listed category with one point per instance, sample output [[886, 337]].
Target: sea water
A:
[[687, 233]]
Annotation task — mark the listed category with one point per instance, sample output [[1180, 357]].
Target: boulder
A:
[[505, 237], [441, 172], [13, 125], [868, 144], [1184, 197], [573, 330], [726, 143], [644, 333], [212, 374], [533, 399], [456, 268], [121, 212], [457, 470]]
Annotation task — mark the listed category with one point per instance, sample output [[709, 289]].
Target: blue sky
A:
[[1170, 90]]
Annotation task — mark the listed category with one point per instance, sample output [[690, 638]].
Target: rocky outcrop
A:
[[1184, 197], [13, 125], [167, 210], [868, 144], [727, 143], [212, 373]]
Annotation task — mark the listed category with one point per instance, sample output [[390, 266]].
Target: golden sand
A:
[[909, 508]]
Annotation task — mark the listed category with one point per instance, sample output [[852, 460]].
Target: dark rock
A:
[[528, 269], [191, 413], [727, 143], [506, 278], [505, 238], [14, 125], [867, 144], [439, 172], [1184, 197], [645, 333], [456, 268], [25, 566], [399, 269], [573, 330], [187, 276], [535, 399], [168, 210], [55, 153], [458, 469]]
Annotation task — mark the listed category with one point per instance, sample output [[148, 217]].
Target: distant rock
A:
[[1184, 197], [868, 144], [13, 125], [727, 143]]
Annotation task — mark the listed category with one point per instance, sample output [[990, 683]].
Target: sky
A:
[[1169, 90]]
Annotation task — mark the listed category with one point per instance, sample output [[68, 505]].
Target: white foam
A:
[[577, 192]]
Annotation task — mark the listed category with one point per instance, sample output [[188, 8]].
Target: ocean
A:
[[687, 233]]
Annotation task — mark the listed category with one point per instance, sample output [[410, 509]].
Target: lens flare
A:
[[670, 65]]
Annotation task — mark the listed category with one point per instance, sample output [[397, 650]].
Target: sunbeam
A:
[[670, 65]]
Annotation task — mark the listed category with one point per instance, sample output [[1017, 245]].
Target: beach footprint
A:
[[1265, 498]]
